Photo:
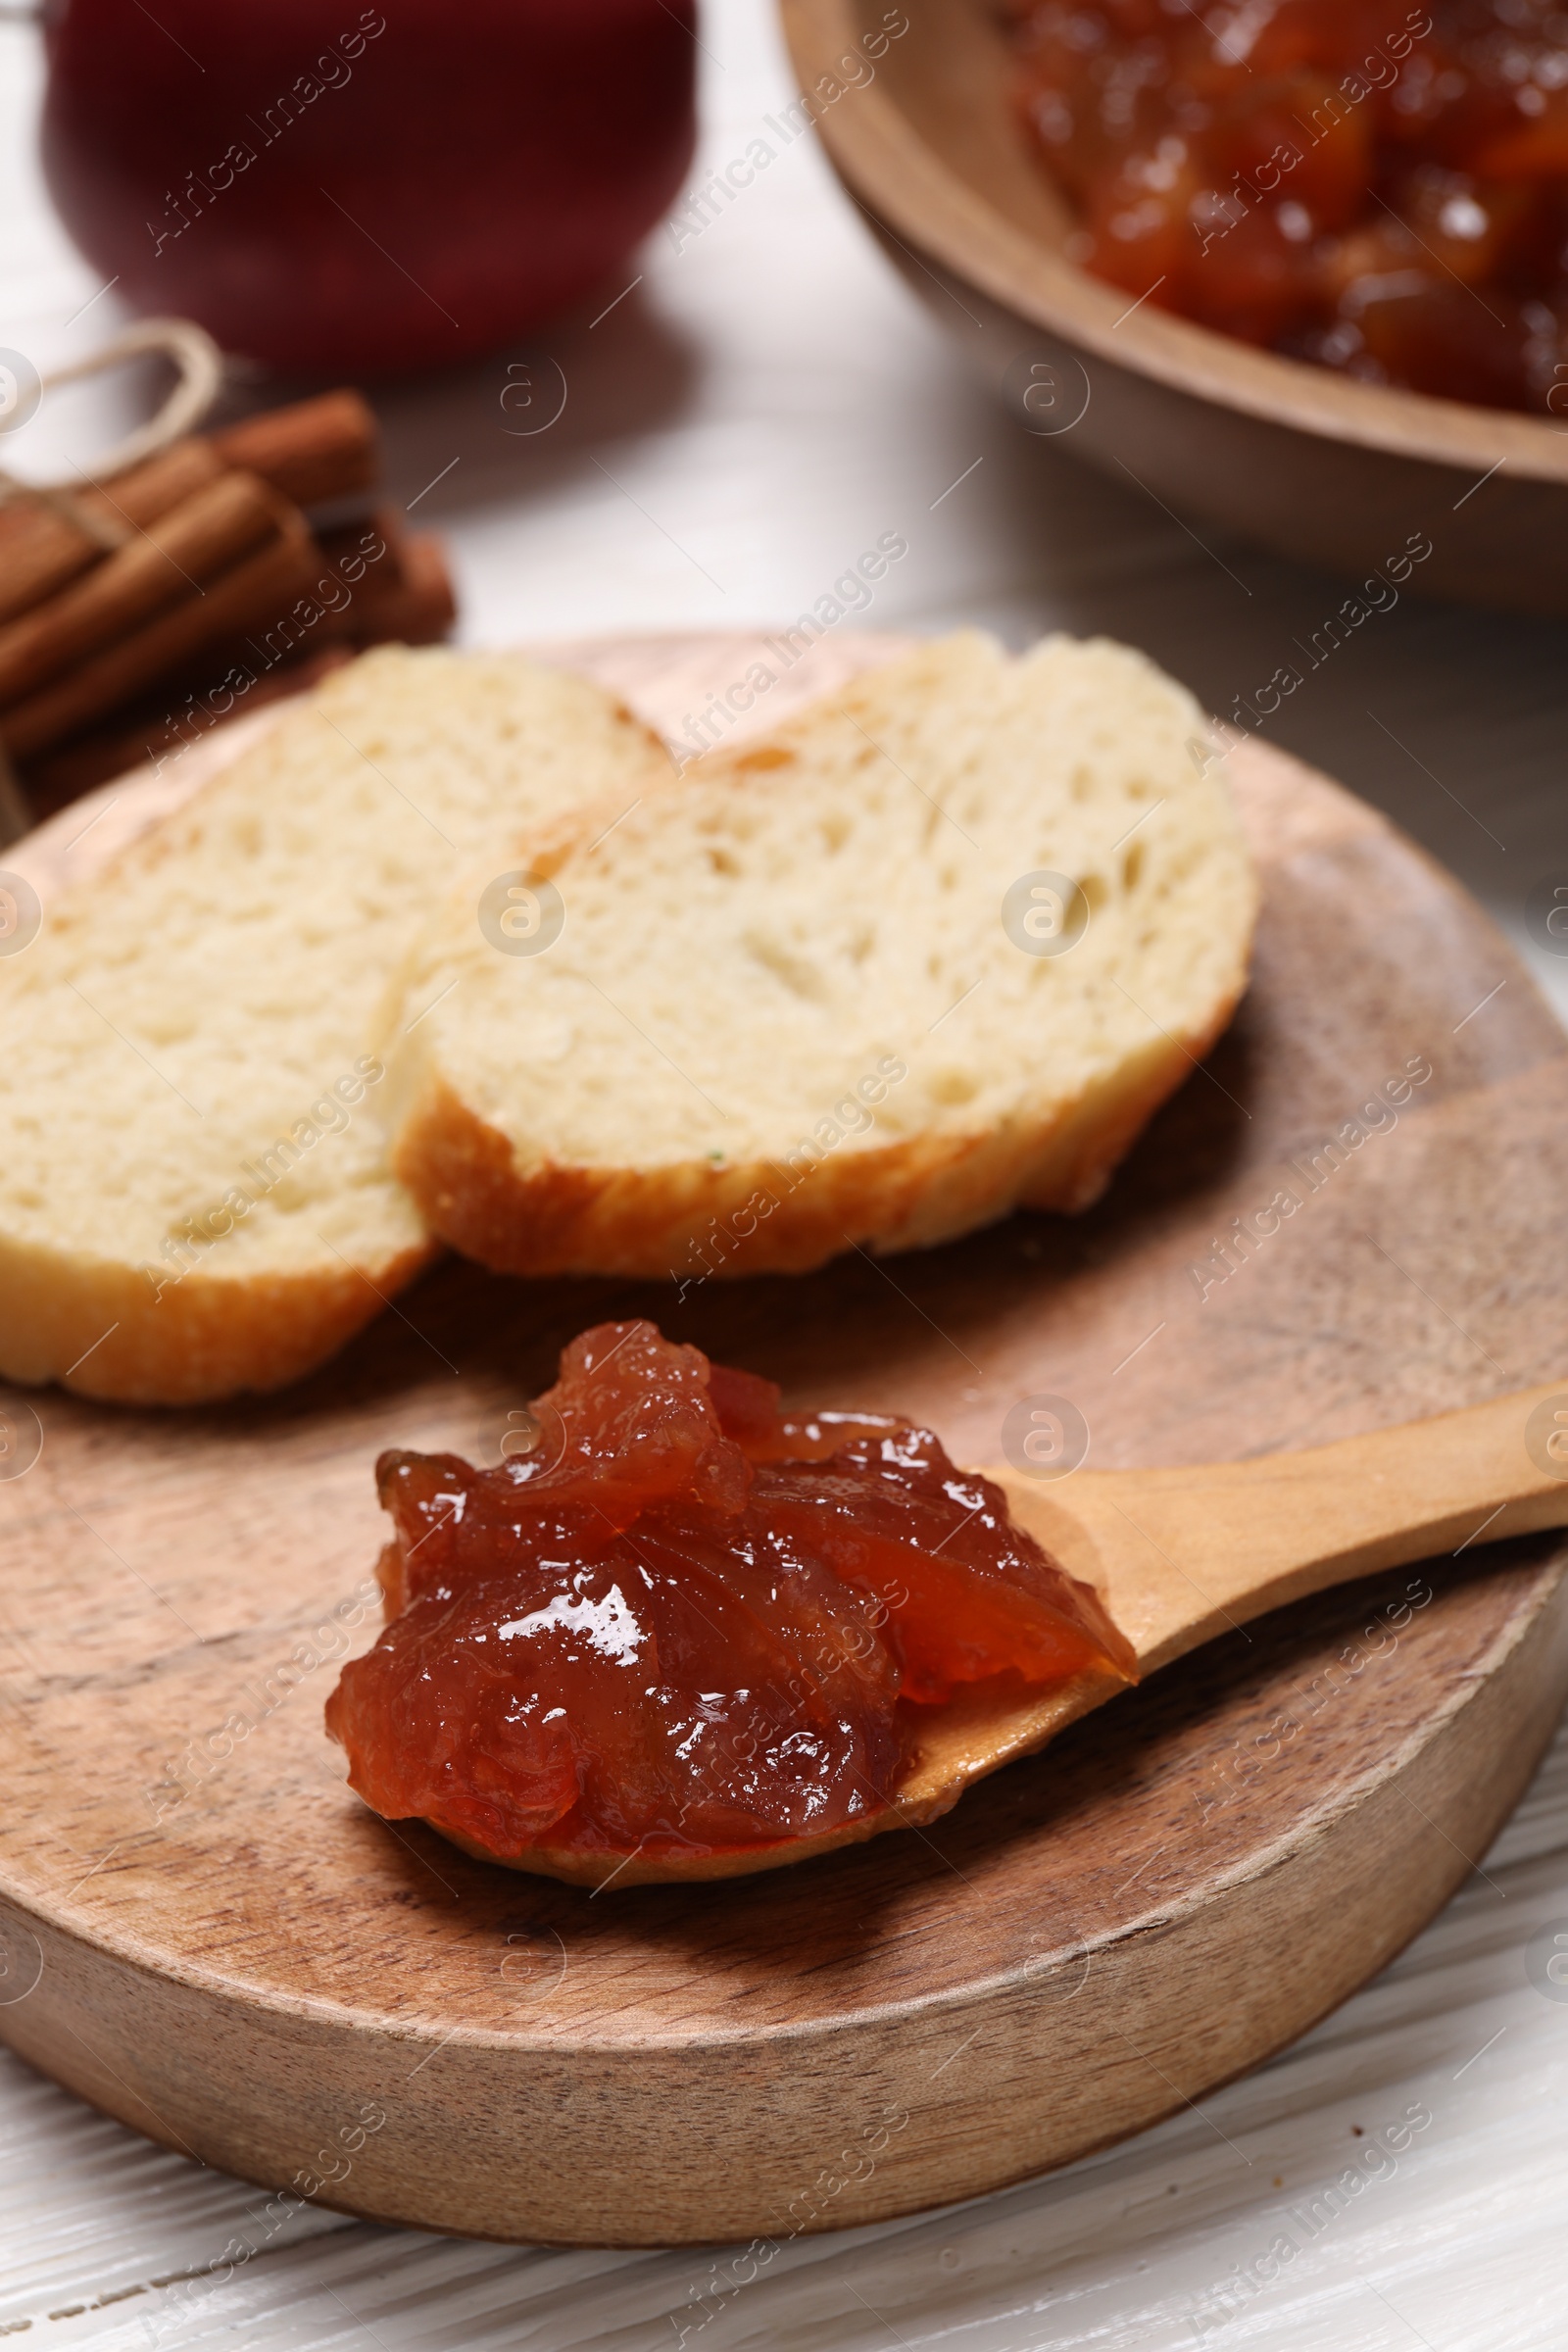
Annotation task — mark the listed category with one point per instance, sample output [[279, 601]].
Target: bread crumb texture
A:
[[194, 1194], [829, 989]]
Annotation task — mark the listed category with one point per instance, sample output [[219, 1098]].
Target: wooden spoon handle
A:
[[1182, 1554]]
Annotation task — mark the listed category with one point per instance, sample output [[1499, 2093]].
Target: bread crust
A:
[[1107, 1120], [101, 1330], [694, 1221]]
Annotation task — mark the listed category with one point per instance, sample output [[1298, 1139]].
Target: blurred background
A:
[[713, 435]]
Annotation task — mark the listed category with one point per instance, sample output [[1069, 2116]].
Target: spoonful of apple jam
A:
[[685, 1635]]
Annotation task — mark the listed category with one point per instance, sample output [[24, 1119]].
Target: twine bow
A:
[[199, 375]]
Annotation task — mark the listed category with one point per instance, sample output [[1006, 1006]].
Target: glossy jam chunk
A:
[[682, 1622], [1377, 186]]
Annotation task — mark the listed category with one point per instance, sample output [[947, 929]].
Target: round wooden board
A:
[[204, 1932]]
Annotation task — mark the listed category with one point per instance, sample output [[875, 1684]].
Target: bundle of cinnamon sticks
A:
[[137, 612]]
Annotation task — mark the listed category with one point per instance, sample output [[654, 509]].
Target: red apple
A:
[[355, 190]]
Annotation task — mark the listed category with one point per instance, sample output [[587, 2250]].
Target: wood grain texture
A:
[[1325, 468], [225, 1949]]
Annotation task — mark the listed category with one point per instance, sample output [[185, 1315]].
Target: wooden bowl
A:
[[1317, 464]]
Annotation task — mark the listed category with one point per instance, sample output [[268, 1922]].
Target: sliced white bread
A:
[[194, 1196], [817, 994]]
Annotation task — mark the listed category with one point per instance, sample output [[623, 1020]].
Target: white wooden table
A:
[[759, 409]]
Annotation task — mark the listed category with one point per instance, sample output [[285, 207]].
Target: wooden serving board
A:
[[204, 1932]]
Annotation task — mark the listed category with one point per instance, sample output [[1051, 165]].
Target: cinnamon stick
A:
[[311, 451], [406, 597], [44, 545], [417, 609], [349, 562], [250, 596], [165, 563]]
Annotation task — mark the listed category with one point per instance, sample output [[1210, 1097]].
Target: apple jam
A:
[[684, 1623], [1379, 187]]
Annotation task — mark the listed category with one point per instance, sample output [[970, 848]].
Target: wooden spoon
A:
[[1180, 1555]]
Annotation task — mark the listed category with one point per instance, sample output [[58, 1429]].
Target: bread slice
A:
[[804, 999], [194, 1196]]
